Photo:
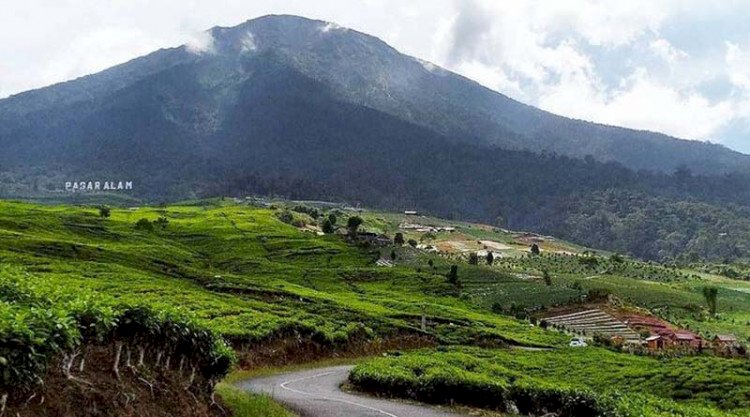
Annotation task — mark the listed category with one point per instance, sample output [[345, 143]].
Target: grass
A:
[[245, 404]]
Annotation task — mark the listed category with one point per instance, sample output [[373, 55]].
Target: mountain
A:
[[306, 109], [355, 68]]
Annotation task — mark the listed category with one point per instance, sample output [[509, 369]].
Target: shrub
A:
[[104, 212], [144, 224]]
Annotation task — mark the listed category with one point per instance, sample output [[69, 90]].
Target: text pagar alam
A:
[[98, 185]]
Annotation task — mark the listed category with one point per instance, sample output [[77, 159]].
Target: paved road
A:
[[317, 393]]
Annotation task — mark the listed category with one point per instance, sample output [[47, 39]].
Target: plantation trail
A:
[[317, 393]]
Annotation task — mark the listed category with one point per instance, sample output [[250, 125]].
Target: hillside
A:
[[193, 96], [288, 106], [283, 105], [262, 277]]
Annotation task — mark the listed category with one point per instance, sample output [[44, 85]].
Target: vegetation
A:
[[237, 271], [710, 293], [245, 404], [40, 322], [571, 382], [242, 275]]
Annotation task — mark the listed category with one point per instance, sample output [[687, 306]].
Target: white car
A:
[[578, 342]]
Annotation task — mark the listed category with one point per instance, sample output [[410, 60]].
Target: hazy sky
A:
[[679, 67]]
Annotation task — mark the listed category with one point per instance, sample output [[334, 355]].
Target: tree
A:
[[162, 222], [353, 224], [393, 255], [535, 249], [398, 239], [473, 258], [332, 218], [547, 277], [104, 212], [286, 216], [412, 243], [589, 261], [490, 258], [144, 224], [327, 226], [711, 295], [454, 280], [431, 263], [616, 258]]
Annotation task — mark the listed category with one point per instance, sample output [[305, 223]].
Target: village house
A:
[[656, 342], [725, 342], [687, 340], [373, 239]]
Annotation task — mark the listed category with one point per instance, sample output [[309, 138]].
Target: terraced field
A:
[[591, 322]]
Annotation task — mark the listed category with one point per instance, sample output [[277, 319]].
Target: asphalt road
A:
[[317, 393]]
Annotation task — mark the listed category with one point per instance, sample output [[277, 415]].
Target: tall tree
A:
[[454, 280], [711, 296], [547, 277], [327, 226], [353, 224]]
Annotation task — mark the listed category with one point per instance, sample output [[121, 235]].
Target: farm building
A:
[[687, 339], [411, 212], [656, 342], [723, 342]]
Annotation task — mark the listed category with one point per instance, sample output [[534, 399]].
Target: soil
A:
[[97, 391], [293, 350]]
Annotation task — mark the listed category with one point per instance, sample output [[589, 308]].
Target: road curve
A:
[[317, 393]]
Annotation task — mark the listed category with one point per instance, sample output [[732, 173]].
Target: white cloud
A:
[[738, 65], [544, 53], [640, 103], [201, 43], [666, 51], [330, 26]]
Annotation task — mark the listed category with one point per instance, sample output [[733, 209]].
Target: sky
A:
[[681, 67]]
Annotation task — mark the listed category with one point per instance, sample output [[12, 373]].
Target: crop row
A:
[[40, 324], [591, 322], [566, 383]]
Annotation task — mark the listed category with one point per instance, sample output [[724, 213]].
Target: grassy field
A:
[[240, 271], [572, 382], [244, 275]]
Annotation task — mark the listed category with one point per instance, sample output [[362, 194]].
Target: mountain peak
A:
[[286, 33]]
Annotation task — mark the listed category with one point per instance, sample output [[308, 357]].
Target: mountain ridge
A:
[[494, 119], [305, 110]]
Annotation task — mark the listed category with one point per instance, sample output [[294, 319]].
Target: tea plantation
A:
[[234, 272], [215, 282], [570, 382]]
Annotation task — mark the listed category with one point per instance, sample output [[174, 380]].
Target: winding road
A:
[[317, 393]]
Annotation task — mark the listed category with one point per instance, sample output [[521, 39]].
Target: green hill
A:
[[263, 279]]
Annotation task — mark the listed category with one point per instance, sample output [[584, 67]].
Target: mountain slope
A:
[[358, 69], [285, 105]]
